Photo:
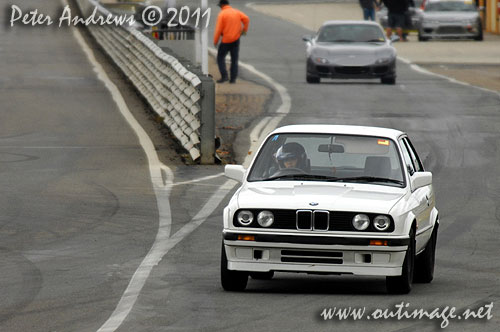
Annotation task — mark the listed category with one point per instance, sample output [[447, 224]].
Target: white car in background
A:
[[450, 19], [331, 199]]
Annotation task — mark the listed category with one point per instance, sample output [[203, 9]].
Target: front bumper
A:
[[337, 71], [315, 254], [449, 30]]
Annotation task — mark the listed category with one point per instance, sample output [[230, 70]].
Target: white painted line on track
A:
[[421, 70], [161, 187], [199, 179], [202, 215]]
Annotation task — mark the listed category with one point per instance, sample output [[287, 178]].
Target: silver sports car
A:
[[350, 49], [450, 19]]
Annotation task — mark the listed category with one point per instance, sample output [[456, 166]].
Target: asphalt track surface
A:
[[78, 212]]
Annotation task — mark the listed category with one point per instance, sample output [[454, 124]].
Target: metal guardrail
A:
[[172, 91]]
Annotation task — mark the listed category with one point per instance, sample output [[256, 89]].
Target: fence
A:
[[173, 92]]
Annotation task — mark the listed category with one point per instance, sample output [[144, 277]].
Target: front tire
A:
[[388, 80], [262, 275], [233, 281], [422, 39], [480, 36], [424, 263], [402, 284], [312, 79]]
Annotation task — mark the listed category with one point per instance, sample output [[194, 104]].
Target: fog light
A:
[[361, 222]]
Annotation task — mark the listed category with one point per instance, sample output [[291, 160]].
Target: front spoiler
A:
[[271, 252]]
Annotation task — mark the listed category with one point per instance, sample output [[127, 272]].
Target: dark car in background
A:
[[350, 49]]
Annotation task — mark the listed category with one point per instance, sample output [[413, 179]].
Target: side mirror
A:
[[421, 179], [307, 38], [235, 172]]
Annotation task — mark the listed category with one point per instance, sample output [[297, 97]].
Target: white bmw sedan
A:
[[331, 199]]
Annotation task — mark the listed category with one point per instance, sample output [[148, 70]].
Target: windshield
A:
[[350, 33], [450, 6], [326, 157]]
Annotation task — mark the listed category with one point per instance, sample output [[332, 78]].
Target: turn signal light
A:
[[378, 242], [246, 237]]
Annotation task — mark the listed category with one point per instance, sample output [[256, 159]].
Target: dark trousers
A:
[[225, 48]]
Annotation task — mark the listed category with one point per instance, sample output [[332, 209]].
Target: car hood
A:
[[450, 16], [323, 196], [353, 54]]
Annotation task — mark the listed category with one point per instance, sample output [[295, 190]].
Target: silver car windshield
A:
[[325, 157], [350, 33], [450, 6]]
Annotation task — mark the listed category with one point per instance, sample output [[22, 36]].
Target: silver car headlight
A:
[[381, 223], [361, 222], [382, 61], [245, 217], [265, 218], [323, 61]]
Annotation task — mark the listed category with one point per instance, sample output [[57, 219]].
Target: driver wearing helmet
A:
[[292, 155]]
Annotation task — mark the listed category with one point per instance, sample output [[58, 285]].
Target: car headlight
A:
[[265, 218], [245, 217], [382, 61], [321, 60], [381, 223], [361, 222]]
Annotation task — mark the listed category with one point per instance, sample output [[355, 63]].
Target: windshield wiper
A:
[[302, 177], [374, 41], [370, 179]]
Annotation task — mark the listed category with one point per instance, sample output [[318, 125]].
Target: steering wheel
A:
[[289, 171]]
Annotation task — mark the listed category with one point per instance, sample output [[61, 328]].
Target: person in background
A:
[[369, 7], [231, 24], [396, 16]]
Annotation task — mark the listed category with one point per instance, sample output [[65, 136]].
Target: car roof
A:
[[340, 129], [349, 22]]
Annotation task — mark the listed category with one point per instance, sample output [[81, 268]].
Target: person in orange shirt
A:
[[231, 24]]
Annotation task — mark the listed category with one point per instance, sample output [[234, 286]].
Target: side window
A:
[[406, 156], [414, 156]]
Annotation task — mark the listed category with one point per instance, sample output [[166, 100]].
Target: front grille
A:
[[310, 256], [311, 220], [321, 220], [304, 219], [323, 69], [358, 70], [450, 30], [381, 69]]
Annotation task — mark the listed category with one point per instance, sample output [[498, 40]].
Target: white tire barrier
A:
[[171, 90]]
